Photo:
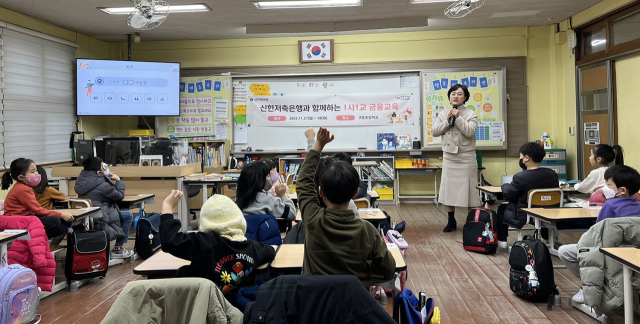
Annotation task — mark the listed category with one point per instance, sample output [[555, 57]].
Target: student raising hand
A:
[[323, 138], [310, 133], [171, 201], [281, 190]]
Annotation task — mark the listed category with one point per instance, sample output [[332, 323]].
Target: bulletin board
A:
[[272, 113], [487, 90], [205, 109]]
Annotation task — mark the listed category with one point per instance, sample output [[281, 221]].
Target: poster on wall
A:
[[330, 110], [203, 106], [485, 99]]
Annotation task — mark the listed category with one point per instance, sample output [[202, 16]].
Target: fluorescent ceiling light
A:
[[200, 7], [598, 42], [434, 1], [306, 4]]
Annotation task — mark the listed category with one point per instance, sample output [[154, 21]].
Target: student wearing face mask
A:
[[516, 192], [21, 201], [105, 190], [622, 182], [253, 199], [276, 179]]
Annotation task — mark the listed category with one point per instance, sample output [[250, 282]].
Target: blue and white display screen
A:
[[127, 88]]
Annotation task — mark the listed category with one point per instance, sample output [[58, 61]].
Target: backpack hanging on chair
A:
[[407, 309]]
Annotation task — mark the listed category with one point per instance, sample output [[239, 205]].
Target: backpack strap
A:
[[477, 217]]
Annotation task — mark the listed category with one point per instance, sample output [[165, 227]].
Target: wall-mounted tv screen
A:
[[127, 88]]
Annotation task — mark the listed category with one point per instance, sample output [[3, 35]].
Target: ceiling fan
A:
[[148, 14], [462, 8]]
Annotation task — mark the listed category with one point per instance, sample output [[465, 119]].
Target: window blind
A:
[[38, 98]]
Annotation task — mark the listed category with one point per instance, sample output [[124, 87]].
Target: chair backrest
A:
[[289, 179], [80, 203], [362, 202], [263, 228], [545, 197]]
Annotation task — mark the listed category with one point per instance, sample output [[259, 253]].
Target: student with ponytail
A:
[[21, 200], [602, 155]]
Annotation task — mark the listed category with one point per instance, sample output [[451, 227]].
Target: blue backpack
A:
[[20, 288], [407, 308]]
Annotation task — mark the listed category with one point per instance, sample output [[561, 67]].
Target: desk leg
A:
[[3, 255], [628, 295], [183, 205]]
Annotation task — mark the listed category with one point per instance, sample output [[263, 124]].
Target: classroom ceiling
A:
[[229, 18]]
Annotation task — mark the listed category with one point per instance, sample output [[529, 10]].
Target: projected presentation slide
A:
[[127, 88]]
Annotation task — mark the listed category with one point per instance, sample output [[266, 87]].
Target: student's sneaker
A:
[[578, 298], [120, 253], [503, 244]]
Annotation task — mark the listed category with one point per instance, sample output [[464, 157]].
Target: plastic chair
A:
[[362, 202], [289, 180]]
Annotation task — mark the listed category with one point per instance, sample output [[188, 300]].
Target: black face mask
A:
[[522, 166]]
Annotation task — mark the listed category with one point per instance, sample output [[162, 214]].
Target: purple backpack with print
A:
[[19, 287]]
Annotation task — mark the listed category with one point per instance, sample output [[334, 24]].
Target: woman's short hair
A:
[[464, 89]]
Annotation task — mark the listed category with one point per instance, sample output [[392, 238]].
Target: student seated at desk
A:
[[219, 251], [341, 156], [252, 196], [21, 200], [44, 194], [96, 183], [602, 155], [622, 182], [337, 243], [276, 179], [517, 192]]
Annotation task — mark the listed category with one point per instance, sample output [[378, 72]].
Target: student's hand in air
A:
[[172, 200], [281, 190], [114, 177], [67, 217], [310, 133], [324, 136]]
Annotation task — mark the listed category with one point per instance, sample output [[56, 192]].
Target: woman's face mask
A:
[[33, 181]]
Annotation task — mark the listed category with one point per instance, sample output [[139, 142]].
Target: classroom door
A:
[[595, 111]]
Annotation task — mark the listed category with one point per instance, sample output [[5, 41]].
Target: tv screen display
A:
[[127, 88]]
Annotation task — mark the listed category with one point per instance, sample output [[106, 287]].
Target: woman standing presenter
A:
[[457, 126]]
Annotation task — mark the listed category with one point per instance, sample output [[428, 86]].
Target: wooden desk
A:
[[376, 217], [81, 215], [630, 259], [552, 216], [495, 190], [289, 257], [163, 264], [7, 237], [138, 201]]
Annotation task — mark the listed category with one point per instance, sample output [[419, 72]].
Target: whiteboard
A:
[[487, 88], [347, 138]]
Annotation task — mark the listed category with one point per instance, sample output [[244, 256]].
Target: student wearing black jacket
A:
[[218, 251], [517, 192]]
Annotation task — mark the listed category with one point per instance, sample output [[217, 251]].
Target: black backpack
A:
[[148, 235], [87, 255], [479, 232], [530, 259]]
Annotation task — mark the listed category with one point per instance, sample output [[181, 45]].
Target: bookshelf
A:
[[383, 173], [208, 153]]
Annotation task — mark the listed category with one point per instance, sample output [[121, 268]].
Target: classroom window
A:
[[595, 41], [595, 100], [38, 106], [625, 29]]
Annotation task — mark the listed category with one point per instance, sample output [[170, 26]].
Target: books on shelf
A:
[[212, 155], [381, 171], [293, 167]]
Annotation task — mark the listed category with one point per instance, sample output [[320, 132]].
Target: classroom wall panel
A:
[[627, 80]]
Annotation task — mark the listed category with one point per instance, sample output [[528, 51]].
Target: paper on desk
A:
[[221, 130], [221, 108], [239, 133], [592, 207], [26, 235], [391, 246]]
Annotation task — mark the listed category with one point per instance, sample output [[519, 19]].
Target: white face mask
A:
[[609, 193]]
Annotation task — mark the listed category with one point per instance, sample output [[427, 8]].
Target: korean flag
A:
[[316, 51]]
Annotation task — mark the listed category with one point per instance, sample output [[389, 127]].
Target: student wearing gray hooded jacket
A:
[[105, 190]]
